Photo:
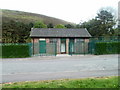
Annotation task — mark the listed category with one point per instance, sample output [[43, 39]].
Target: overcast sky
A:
[[69, 10]]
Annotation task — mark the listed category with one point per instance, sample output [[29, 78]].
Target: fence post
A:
[[55, 49], [30, 48]]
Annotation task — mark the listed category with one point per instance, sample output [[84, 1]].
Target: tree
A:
[[101, 25], [78, 26], [22, 32], [15, 32], [50, 25], [111, 10], [107, 22], [92, 26], [31, 24], [59, 26], [117, 31], [40, 25], [69, 26]]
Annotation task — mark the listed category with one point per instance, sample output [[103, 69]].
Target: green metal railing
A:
[[50, 49], [94, 40], [78, 48], [74, 48], [89, 48]]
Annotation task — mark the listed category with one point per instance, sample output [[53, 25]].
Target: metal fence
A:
[[76, 49], [94, 40], [79, 48], [50, 49], [89, 47], [105, 39]]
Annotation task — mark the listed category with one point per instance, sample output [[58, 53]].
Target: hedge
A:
[[15, 51], [107, 48]]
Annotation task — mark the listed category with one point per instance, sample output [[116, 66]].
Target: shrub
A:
[[15, 51], [107, 48]]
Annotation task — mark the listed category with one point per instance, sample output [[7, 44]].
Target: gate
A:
[[78, 48], [71, 46]]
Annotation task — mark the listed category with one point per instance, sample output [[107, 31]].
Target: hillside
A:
[[26, 17]]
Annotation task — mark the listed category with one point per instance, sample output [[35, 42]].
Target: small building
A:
[[59, 41]]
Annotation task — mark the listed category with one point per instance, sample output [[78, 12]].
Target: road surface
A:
[[50, 68]]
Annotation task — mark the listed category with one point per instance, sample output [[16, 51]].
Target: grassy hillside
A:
[[16, 25], [26, 17]]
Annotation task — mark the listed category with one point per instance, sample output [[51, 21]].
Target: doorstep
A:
[[63, 55]]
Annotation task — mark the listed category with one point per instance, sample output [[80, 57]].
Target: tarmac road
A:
[[50, 68]]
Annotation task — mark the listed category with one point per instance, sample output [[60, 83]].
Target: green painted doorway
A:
[[63, 46], [71, 46], [42, 45]]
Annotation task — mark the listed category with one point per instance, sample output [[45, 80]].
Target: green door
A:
[[42, 45], [71, 46]]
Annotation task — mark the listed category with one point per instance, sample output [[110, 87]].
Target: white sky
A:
[[69, 10]]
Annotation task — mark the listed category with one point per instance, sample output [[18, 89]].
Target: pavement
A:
[[59, 67]]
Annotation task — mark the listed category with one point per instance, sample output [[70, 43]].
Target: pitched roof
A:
[[56, 32]]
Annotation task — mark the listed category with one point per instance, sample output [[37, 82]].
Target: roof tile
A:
[[56, 32]]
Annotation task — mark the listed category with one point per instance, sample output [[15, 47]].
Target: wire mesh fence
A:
[[90, 47], [49, 49], [94, 40], [75, 48], [79, 48]]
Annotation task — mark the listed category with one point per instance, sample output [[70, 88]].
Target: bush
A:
[[107, 48], [15, 51]]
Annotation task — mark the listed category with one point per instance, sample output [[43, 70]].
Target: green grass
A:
[[103, 82]]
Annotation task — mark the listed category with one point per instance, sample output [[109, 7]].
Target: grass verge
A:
[[101, 82]]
